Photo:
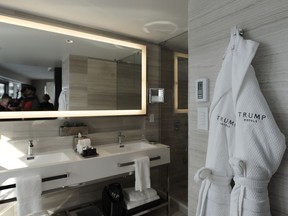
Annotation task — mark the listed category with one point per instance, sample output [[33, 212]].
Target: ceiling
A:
[[160, 21]]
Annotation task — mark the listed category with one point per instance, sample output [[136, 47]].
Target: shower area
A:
[[174, 122]]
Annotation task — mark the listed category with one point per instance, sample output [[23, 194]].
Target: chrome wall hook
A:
[[241, 32], [235, 30]]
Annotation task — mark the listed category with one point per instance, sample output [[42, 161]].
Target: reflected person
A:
[[46, 105], [30, 101], [4, 102]]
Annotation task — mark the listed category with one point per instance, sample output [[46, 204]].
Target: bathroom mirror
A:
[[99, 75], [180, 82]]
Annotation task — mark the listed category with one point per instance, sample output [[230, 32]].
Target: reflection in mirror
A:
[[96, 75], [180, 82]]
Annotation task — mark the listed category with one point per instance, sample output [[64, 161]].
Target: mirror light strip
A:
[[176, 93], [66, 31]]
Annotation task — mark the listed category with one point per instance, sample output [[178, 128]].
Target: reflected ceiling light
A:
[[165, 27]]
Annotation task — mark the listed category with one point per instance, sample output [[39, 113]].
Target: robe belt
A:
[[207, 178], [242, 182], [206, 173]]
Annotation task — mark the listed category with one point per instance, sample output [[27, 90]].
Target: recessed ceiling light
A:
[[164, 27]]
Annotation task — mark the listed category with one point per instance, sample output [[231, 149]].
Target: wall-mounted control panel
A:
[[202, 90], [156, 95]]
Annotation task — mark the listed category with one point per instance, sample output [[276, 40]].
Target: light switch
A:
[[202, 118]]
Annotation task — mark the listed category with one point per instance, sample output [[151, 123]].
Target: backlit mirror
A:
[[92, 75], [180, 82]]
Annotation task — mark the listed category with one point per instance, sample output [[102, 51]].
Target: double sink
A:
[[109, 149], [80, 169]]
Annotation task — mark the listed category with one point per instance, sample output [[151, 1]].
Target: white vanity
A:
[[67, 168]]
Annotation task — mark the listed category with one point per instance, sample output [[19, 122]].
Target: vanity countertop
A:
[[80, 169], [107, 150]]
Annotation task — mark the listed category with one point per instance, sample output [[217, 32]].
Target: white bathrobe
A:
[[214, 195], [259, 144], [63, 99], [243, 133]]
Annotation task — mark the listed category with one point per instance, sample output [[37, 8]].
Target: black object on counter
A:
[[89, 152]]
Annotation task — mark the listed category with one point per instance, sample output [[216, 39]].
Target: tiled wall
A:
[[264, 21], [102, 130]]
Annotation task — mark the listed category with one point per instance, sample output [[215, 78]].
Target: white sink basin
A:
[[45, 158], [127, 147]]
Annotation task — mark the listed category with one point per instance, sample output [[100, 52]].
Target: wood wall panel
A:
[[101, 84], [78, 97], [128, 86]]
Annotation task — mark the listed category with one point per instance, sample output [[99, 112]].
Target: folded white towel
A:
[[142, 173], [28, 190], [83, 143], [131, 195], [131, 204]]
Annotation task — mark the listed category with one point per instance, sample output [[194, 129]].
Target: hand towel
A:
[[134, 204], [28, 192], [131, 194], [142, 173]]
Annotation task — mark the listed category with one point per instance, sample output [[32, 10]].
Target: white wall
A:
[[264, 21]]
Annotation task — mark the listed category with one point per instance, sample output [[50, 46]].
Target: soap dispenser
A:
[[30, 150]]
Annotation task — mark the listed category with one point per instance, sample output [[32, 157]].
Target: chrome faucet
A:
[[120, 136], [30, 154]]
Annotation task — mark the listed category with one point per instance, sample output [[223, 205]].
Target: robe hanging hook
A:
[[235, 30], [241, 32]]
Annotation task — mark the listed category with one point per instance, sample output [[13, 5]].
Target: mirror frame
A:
[[44, 26], [176, 93]]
